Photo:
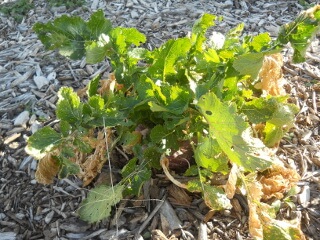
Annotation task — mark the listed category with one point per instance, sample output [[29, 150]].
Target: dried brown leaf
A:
[[255, 226], [158, 235], [47, 169], [230, 187], [271, 77], [91, 164], [254, 196], [277, 181], [109, 85], [164, 162]]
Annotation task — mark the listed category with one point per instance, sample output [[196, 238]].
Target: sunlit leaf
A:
[[282, 231], [208, 155], [199, 29], [261, 41], [124, 37], [233, 134], [167, 56], [215, 198], [249, 64], [69, 107], [300, 31], [44, 138]]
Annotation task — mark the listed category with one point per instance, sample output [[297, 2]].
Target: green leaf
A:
[[260, 42], [215, 198], [284, 115], [138, 53], [194, 186], [65, 128], [199, 29], [208, 155], [232, 43], [69, 107], [130, 139], [249, 64], [152, 155], [300, 32], [281, 230], [278, 116], [202, 24], [136, 176], [97, 206], [147, 89], [211, 56], [158, 133], [98, 25], [233, 134], [281, 121], [273, 134], [166, 138], [44, 138], [70, 34], [96, 51], [167, 56], [93, 86], [123, 38], [67, 168], [177, 100], [82, 145], [260, 110]]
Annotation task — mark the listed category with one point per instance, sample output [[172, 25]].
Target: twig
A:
[[155, 210], [72, 73]]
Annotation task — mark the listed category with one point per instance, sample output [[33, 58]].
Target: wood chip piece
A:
[[170, 215], [8, 236], [22, 119], [40, 81], [304, 196]]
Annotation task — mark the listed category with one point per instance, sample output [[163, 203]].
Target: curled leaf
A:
[[164, 161]]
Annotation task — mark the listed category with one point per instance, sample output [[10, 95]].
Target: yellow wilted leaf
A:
[[47, 169], [277, 181], [271, 77]]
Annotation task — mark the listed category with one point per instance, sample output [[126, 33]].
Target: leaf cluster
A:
[[194, 89]]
